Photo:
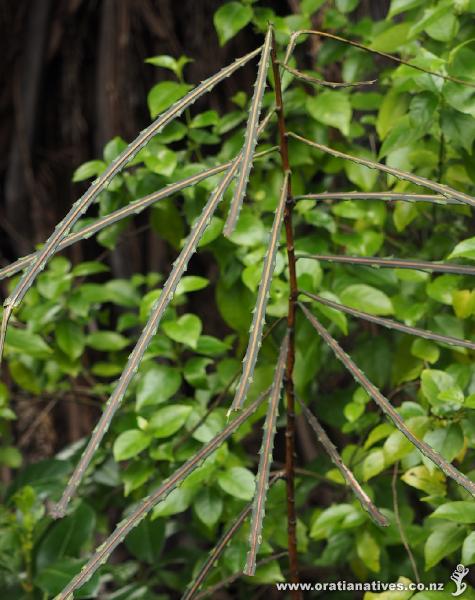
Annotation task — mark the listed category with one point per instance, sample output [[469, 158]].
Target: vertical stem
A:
[[289, 383]]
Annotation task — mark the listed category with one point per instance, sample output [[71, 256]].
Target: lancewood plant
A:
[[236, 172]]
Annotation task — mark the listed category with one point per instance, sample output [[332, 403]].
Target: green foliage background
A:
[[77, 323]]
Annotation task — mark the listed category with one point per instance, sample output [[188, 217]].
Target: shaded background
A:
[[74, 76]]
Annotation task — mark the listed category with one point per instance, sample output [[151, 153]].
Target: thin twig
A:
[[323, 83], [179, 267], [297, 34], [250, 138]]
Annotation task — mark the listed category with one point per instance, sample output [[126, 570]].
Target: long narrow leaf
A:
[[445, 190], [81, 205], [321, 82], [255, 333], [179, 267], [296, 34], [133, 208], [378, 196], [389, 324], [386, 406], [250, 139], [145, 506], [347, 474], [217, 551], [392, 263], [265, 460]]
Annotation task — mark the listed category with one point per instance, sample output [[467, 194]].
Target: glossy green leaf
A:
[[230, 18], [238, 482], [92, 168], [107, 341], [164, 94], [157, 385], [168, 420], [459, 512], [442, 542], [130, 443], [185, 330], [70, 338], [208, 506], [367, 298], [331, 108]]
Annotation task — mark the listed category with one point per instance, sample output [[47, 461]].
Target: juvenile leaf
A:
[[399, 6], [27, 342], [164, 94], [70, 338], [440, 188], [421, 478], [265, 461], [468, 549], [446, 440], [392, 38], [373, 464], [369, 551], [250, 139], [208, 506], [93, 168], [441, 390], [107, 341], [464, 249], [258, 319]]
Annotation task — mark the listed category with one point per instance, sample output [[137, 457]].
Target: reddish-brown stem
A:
[[289, 383]]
